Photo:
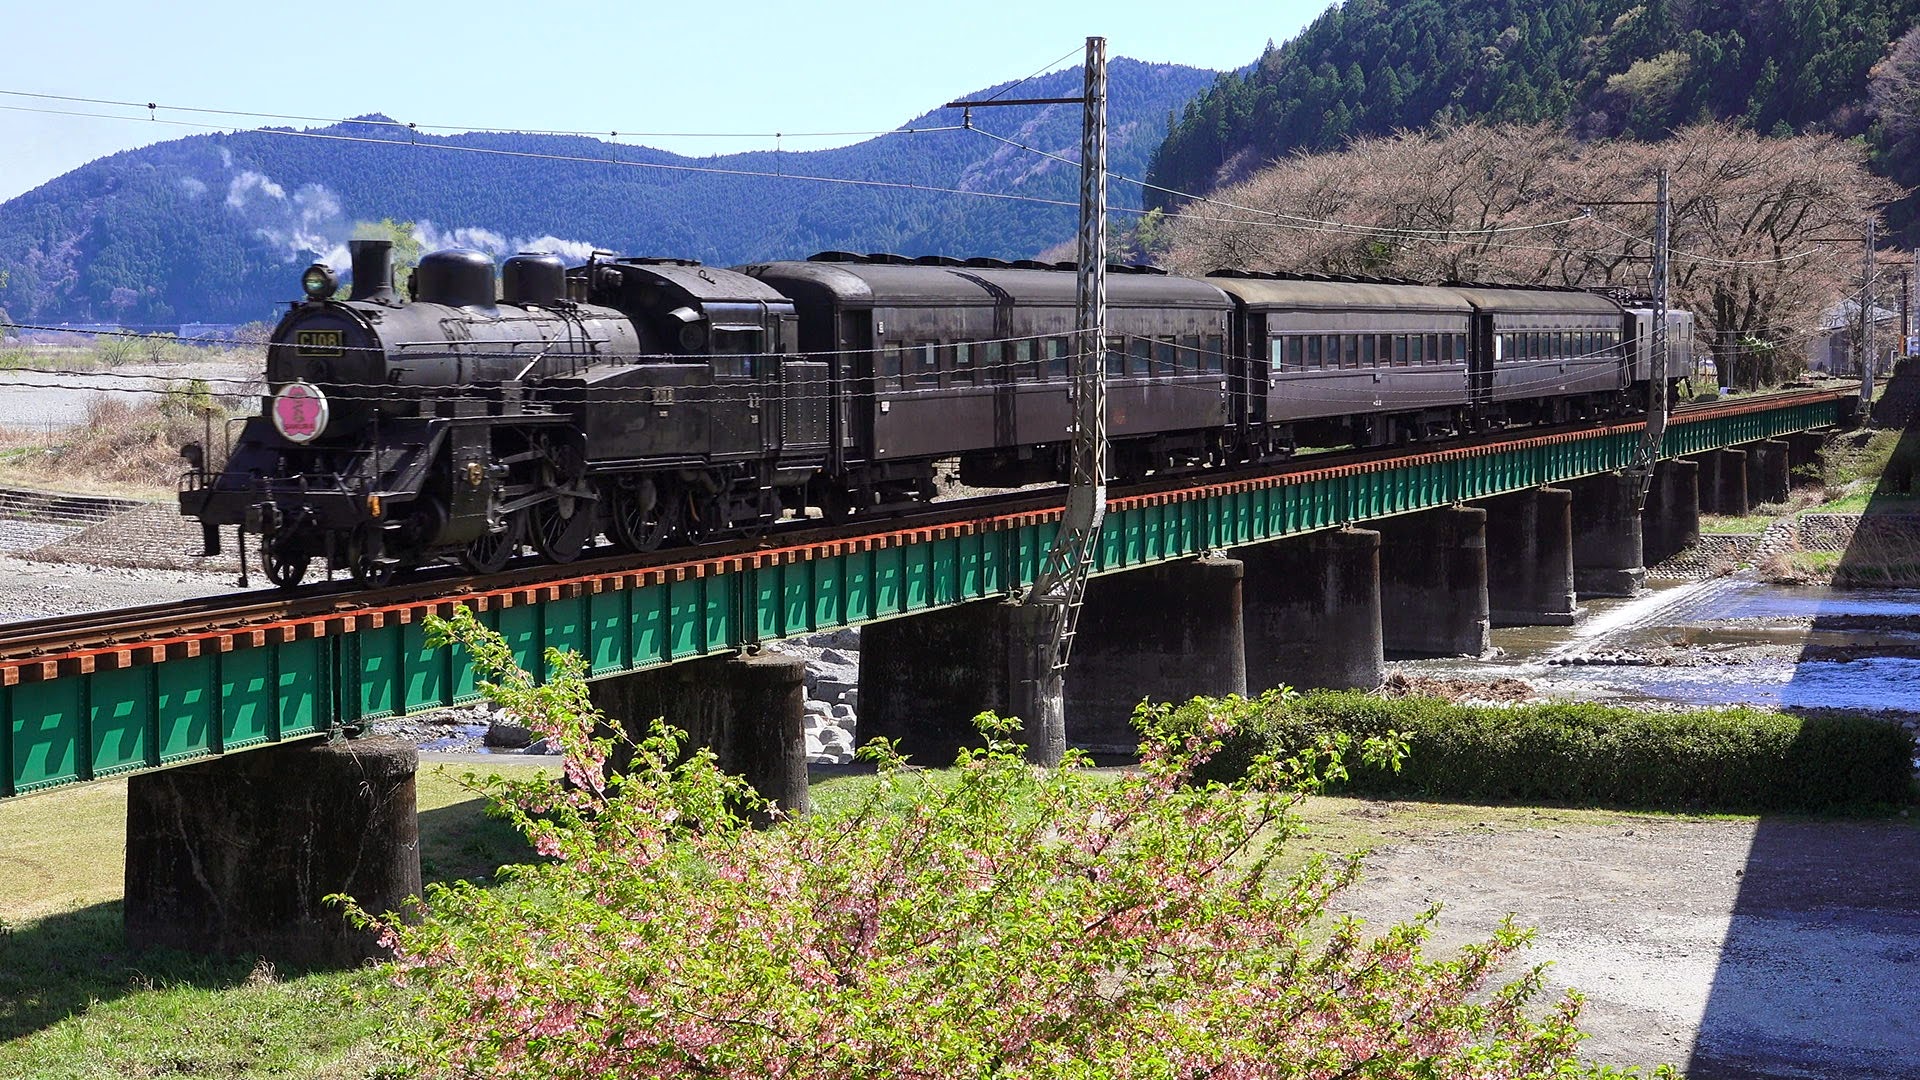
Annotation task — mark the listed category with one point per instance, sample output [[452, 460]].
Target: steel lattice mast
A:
[[1063, 577]]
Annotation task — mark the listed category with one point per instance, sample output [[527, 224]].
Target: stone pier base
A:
[[1769, 476], [1433, 583], [925, 677], [1530, 558], [233, 856], [1608, 556], [1166, 633], [1671, 522], [749, 710], [1723, 483], [1312, 612], [1803, 457]]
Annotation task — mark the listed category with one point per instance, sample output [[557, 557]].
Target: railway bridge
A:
[[1306, 574]]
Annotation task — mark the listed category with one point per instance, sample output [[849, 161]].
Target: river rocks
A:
[[833, 693], [508, 735]]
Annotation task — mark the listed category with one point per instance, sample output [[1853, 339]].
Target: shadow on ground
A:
[[1789, 997]]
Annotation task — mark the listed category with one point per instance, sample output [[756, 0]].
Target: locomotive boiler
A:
[[469, 417]]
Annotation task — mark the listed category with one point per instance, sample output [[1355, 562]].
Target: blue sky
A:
[[734, 66]]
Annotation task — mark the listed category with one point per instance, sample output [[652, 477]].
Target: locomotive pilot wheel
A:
[[282, 569], [369, 571]]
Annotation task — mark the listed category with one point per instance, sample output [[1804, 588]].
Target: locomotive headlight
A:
[[318, 282]]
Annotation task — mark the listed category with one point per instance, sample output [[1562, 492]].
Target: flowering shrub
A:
[[993, 920]]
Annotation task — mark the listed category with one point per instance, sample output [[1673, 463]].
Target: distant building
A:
[[1832, 348], [206, 331], [72, 333]]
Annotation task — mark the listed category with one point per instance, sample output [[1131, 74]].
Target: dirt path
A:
[[1733, 949]]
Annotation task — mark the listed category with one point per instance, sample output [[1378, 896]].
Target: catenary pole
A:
[[1052, 607], [1659, 378], [1867, 303]]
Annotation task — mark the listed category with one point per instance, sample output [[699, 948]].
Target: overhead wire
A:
[[154, 107], [897, 185], [1325, 225]]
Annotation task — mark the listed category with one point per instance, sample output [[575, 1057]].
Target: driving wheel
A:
[[561, 527], [490, 554], [637, 526]]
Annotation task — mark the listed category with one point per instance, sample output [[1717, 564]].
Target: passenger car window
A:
[[892, 364], [926, 365], [963, 369], [1216, 353], [1024, 366], [1369, 350], [1139, 356], [1059, 358], [1166, 358], [1188, 356], [1315, 344]]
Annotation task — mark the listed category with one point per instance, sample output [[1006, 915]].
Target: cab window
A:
[[736, 352]]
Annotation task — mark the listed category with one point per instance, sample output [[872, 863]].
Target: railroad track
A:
[[42, 648]]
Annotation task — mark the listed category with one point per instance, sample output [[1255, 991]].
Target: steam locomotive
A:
[[658, 401]]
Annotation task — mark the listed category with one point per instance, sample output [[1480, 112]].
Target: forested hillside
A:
[[1600, 67], [214, 227]]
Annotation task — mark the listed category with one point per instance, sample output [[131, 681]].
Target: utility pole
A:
[[1866, 324], [1052, 607]]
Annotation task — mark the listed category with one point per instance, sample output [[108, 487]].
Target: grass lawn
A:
[[75, 1005]]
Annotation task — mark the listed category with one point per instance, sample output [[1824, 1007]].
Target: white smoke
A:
[[309, 220], [434, 238], [193, 186]]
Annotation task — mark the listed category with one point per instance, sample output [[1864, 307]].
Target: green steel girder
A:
[[78, 727]]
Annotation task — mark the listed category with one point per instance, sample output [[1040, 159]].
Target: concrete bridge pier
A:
[[749, 710], [924, 678], [1312, 612], [1769, 477], [1608, 557], [1433, 583], [233, 856], [1166, 633], [1723, 482], [1530, 558], [1671, 522], [1803, 457]]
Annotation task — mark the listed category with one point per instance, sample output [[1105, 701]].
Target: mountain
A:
[[1605, 68], [214, 228]]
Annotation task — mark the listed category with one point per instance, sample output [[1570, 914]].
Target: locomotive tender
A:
[[659, 401]]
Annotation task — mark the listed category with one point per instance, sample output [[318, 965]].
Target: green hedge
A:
[[1734, 761]]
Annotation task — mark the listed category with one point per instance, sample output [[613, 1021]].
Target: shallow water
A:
[[1724, 641]]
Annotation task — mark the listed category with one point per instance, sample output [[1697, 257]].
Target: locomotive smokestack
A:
[[372, 269]]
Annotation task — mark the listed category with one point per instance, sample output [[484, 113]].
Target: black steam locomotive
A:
[[658, 401]]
